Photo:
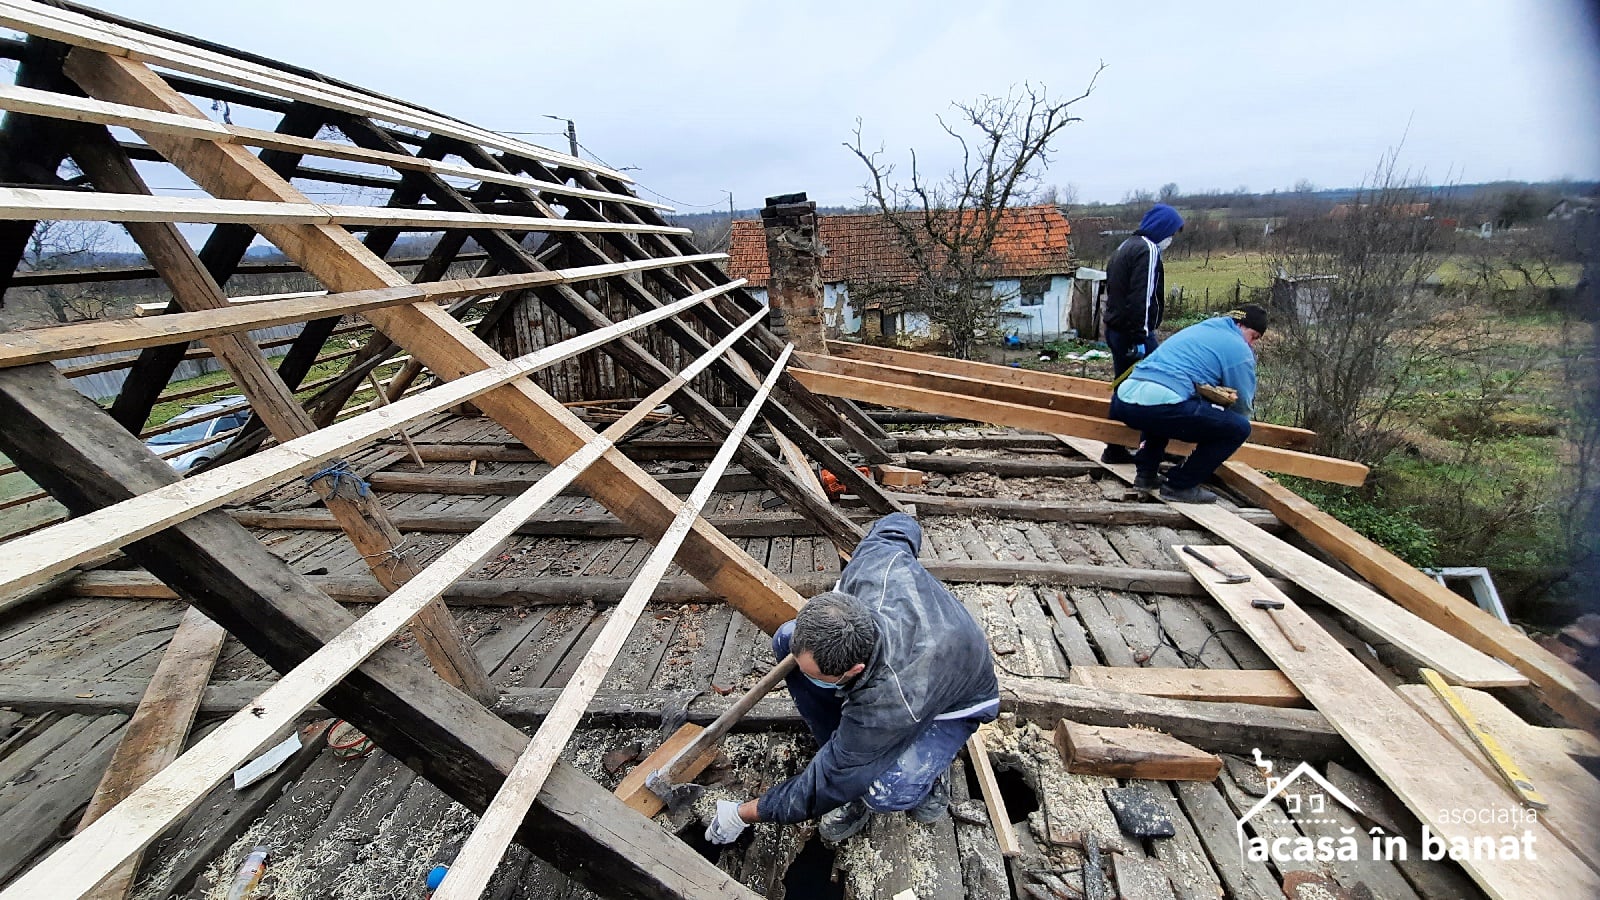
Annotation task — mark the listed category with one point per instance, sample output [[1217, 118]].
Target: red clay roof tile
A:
[[863, 249]]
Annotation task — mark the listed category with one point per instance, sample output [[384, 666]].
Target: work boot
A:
[[841, 823], [936, 805], [1194, 494], [1115, 454], [1148, 484]]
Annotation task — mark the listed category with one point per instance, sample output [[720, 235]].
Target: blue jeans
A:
[[1122, 354], [1216, 434], [913, 773]]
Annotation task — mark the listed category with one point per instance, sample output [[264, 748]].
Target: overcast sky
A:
[[757, 98]]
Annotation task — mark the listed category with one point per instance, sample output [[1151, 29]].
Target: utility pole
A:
[[572, 133]]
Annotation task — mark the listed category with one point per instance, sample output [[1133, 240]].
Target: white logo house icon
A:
[[1303, 806]]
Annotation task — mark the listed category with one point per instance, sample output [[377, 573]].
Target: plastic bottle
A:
[[436, 878], [249, 875]]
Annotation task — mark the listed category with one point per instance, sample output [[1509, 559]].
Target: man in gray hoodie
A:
[[892, 676]]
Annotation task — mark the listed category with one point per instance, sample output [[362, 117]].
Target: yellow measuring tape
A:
[[1502, 761]]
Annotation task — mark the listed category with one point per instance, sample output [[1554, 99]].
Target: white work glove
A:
[[727, 826]]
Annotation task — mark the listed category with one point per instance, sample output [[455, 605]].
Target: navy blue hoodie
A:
[[932, 660]]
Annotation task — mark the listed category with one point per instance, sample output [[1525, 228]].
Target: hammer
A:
[[1270, 606], [664, 782], [1227, 577]]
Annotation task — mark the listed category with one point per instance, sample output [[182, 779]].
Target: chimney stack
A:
[[794, 258]]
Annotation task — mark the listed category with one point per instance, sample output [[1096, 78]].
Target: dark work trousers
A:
[[1215, 432], [913, 773], [1122, 354]]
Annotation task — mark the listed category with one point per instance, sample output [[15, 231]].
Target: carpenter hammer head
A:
[[1264, 603], [673, 795]]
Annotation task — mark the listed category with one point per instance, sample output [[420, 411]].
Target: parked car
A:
[[200, 431]]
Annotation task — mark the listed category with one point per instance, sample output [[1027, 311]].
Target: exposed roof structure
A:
[[522, 515], [863, 248]]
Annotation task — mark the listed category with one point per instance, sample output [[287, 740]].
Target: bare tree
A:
[[947, 226], [65, 245], [1356, 340], [1169, 192]]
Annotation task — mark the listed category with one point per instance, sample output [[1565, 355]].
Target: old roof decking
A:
[[391, 828], [863, 248]]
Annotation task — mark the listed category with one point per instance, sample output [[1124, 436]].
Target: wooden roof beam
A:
[[1290, 462]]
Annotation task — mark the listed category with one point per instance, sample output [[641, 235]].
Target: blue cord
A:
[[342, 474]]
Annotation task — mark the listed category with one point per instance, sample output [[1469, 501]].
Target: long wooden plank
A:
[[1216, 726], [160, 724], [481, 854], [1570, 692], [1262, 433], [1459, 662], [1424, 769], [1263, 687], [1291, 462], [933, 362], [28, 204], [83, 109], [67, 341], [443, 344], [83, 31], [999, 819], [45, 553], [101, 848]]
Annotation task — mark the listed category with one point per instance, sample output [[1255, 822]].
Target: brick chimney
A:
[[794, 257]]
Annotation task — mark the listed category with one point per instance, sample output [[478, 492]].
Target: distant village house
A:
[[865, 263]]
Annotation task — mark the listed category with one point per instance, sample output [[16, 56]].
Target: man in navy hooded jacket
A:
[[892, 675], [1136, 296]]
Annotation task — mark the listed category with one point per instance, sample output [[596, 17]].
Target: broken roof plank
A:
[[1291, 462], [1409, 633], [1419, 763]]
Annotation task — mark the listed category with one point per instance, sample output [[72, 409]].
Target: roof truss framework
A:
[[127, 498]]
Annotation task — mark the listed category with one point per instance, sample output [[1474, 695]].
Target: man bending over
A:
[[892, 676]]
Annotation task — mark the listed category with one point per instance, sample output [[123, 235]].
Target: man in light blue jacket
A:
[[1160, 398], [892, 676]]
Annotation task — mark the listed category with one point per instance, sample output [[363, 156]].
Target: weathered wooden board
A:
[[1261, 687], [1132, 753]]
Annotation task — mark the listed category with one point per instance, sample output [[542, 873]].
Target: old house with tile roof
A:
[[866, 269]]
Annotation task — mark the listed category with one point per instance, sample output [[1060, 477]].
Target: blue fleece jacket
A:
[[1210, 352], [1160, 223], [932, 661]]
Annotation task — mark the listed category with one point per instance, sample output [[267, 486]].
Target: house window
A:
[[1033, 290]]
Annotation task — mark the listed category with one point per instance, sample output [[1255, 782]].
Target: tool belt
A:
[[1222, 396]]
